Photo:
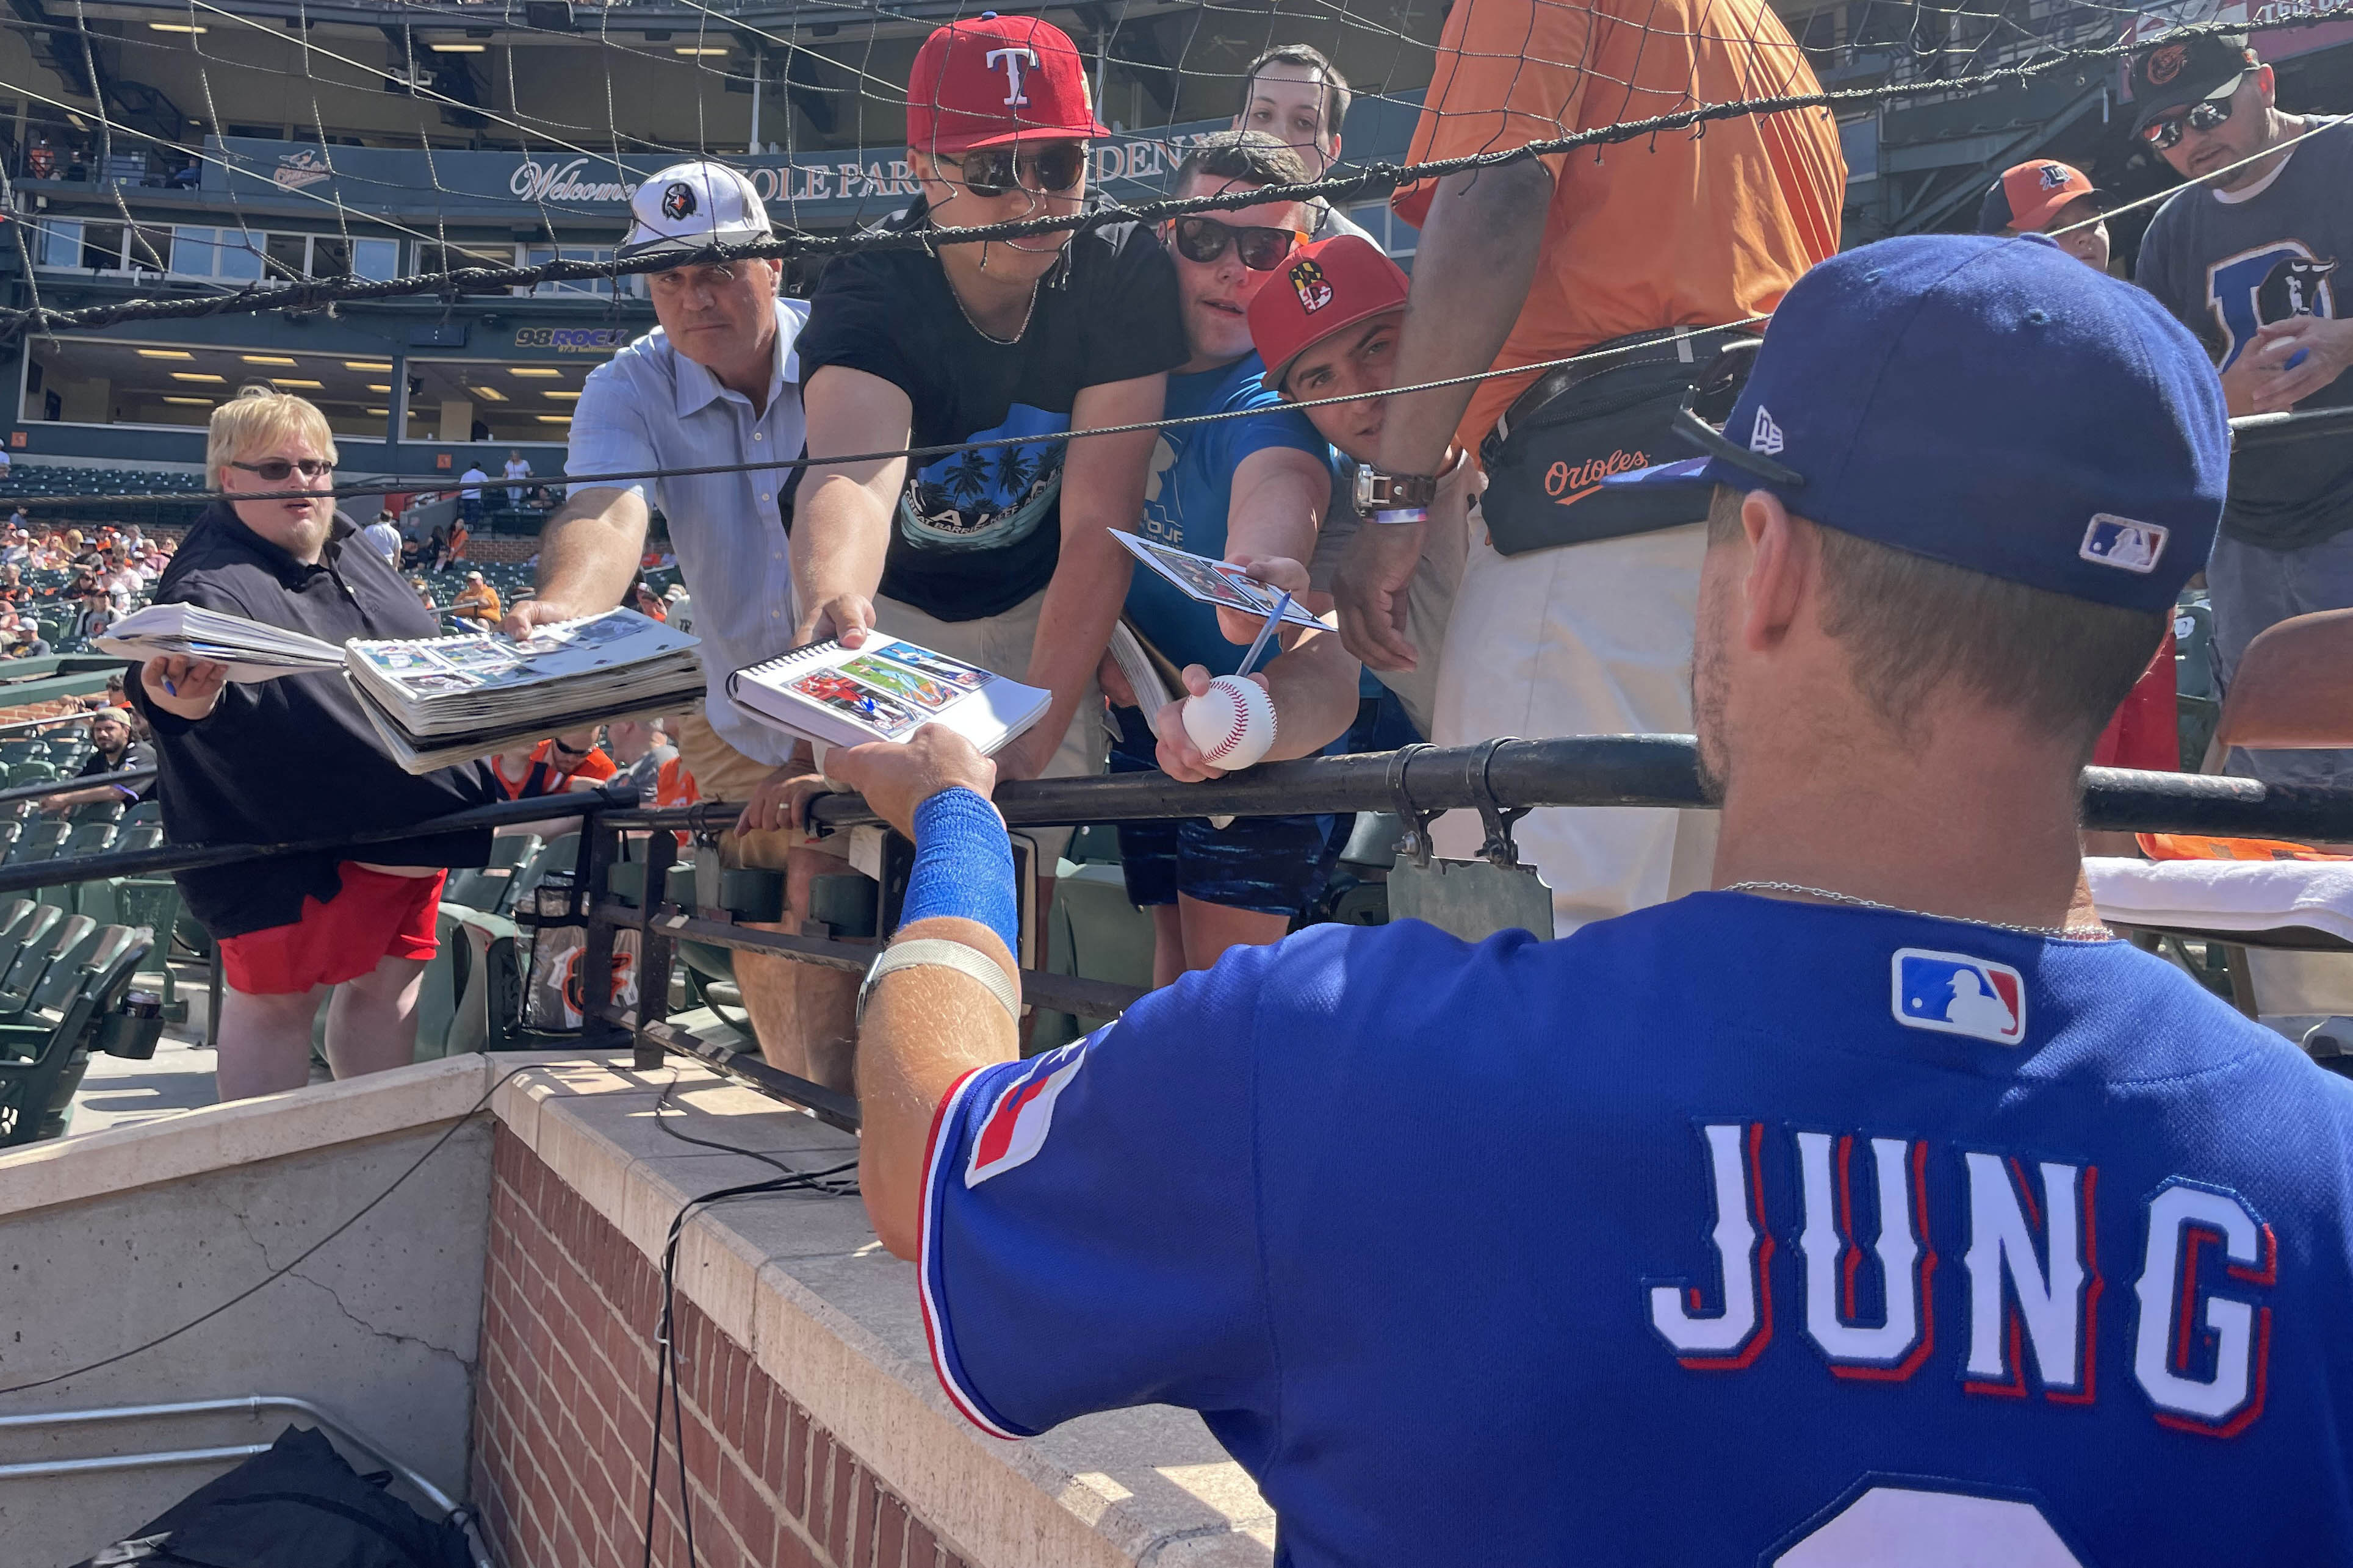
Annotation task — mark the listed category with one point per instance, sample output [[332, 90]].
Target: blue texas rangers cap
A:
[[1989, 401]]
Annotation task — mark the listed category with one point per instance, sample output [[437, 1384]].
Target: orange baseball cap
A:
[[1322, 288], [2028, 196]]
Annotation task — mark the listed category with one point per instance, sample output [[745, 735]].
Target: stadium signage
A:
[[852, 185], [574, 340]]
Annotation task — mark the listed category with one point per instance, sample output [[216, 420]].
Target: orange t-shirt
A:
[[1676, 229]]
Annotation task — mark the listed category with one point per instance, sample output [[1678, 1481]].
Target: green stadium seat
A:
[[107, 811], [1095, 932], [71, 937], [487, 887], [471, 999], [37, 841], [144, 811], [29, 773], [43, 1055]]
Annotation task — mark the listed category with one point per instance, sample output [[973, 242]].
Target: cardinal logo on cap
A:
[[2166, 64], [1307, 280], [678, 200]]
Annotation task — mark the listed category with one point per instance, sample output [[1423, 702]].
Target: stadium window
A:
[[103, 381], [193, 250], [61, 243], [102, 247], [536, 255], [331, 256], [235, 258], [290, 256], [432, 258], [148, 248], [377, 259]]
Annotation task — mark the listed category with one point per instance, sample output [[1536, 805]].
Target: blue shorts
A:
[[1273, 864]]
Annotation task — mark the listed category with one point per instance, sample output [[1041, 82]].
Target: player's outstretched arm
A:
[[928, 1023], [842, 525]]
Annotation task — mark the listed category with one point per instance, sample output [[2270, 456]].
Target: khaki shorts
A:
[[722, 772], [1001, 644]]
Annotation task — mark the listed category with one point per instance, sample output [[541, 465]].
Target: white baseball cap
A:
[[689, 206]]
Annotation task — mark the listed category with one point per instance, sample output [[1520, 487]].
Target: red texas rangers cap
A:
[[1322, 289], [995, 81], [2029, 195]]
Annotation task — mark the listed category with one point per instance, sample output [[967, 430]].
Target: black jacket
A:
[[294, 759]]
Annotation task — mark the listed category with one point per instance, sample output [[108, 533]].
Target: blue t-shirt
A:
[[1730, 1231], [1186, 493]]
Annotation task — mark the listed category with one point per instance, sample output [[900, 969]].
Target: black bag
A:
[[297, 1506], [1544, 477]]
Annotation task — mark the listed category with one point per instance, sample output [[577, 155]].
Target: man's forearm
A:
[[1315, 691], [1082, 601], [589, 551], [1471, 271], [841, 533]]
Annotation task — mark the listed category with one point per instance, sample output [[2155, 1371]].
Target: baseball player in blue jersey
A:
[[1874, 1208]]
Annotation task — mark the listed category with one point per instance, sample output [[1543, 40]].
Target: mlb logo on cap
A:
[[1955, 994], [2121, 542]]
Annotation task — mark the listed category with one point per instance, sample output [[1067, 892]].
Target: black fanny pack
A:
[[1547, 457]]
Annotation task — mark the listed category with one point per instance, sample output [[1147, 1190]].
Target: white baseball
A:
[[1232, 723]]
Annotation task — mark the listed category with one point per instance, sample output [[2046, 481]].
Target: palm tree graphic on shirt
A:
[[989, 497]]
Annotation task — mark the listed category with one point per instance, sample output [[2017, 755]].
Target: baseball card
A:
[[1214, 582]]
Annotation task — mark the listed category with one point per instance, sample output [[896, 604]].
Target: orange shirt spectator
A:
[[477, 601], [1693, 228], [458, 534], [550, 768], [673, 785]]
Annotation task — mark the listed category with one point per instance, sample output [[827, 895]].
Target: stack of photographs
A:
[[444, 699], [252, 650]]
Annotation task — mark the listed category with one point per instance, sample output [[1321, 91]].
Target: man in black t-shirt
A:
[[2252, 256], [113, 751], [1001, 555]]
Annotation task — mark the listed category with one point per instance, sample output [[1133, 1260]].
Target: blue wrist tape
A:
[[964, 866]]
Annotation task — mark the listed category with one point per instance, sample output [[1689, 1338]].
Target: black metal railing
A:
[[1416, 783]]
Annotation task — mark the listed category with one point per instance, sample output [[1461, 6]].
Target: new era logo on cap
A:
[[1766, 436], [1954, 994], [2121, 542]]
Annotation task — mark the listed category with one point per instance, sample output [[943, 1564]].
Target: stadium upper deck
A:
[[192, 148]]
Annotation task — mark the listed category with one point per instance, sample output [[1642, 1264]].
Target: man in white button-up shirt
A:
[[718, 384]]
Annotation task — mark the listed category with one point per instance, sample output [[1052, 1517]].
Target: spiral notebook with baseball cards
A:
[[885, 691]]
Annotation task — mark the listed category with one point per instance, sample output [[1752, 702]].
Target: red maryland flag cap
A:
[[997, 80], [1324, 288]]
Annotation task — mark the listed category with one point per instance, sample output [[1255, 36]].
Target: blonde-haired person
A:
[[294, 760]]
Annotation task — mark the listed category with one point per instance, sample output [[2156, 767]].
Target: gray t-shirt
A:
[[2227, 262]]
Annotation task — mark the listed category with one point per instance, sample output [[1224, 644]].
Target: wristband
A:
[[938, 953], [1403, 514], [964, 866]]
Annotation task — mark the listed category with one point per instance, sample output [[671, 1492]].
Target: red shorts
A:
[[376, 916]]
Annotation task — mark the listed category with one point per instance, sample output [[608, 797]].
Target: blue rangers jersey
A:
[[1733, 1231]]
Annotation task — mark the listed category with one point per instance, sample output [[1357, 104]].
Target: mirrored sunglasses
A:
[[1205, 239], [2165, 133], [1047, 172]]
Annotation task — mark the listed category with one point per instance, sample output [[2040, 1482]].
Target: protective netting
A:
[[582, 102]]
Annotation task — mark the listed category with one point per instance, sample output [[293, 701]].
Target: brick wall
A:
[[564, 1401]]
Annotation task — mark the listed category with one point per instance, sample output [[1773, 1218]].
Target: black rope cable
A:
[[1381, 178]]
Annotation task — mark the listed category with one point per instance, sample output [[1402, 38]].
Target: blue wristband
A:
[[964, 866]]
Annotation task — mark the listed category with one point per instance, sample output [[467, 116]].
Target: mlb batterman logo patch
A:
[[2121, 542], [1307, 278], [1954, 994], [1016, 1126]]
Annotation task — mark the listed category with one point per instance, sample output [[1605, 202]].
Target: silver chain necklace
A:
[[2093, 933]]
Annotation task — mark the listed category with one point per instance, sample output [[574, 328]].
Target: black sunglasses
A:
[[1047, 170], [2204, 115], [1205, 239], [278, 470]]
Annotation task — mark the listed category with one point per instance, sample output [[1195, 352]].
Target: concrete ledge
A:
[[800, 1282], [173, 1148]]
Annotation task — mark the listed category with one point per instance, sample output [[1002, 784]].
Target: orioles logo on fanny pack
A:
[[1307, 278], [1569, 483]]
